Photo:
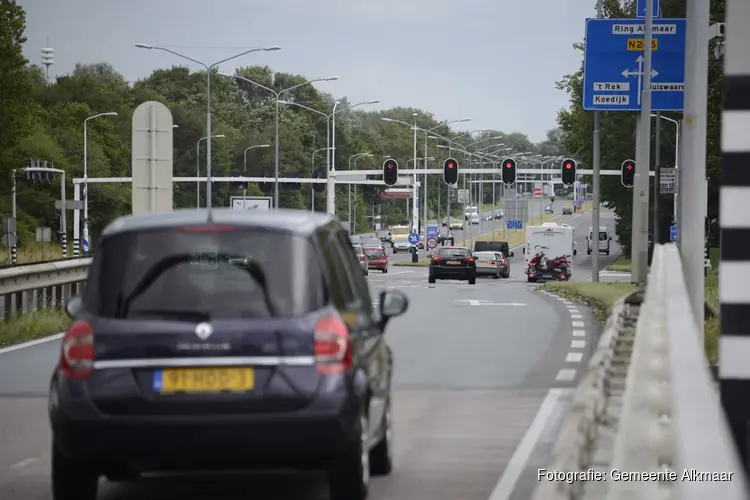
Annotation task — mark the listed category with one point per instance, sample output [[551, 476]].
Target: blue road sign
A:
[[613, 65], [673, 233], [431, 231], [640, 9], [413, 238], [514, 224]]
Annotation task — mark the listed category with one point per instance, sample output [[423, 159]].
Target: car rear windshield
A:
[[373, 253], [486, 255], [210, 275], [453, 252]]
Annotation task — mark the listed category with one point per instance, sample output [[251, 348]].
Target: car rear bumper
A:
[[378, 265], [176, 442], [452, 272], [488, 271]]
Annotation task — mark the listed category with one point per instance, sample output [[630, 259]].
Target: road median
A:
[[599, 297]]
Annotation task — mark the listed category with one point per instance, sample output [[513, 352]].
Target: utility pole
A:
[[597, 152], [639, 241], [693, 161], [657, 176]]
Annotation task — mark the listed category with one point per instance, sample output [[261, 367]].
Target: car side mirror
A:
[[512, 254], [575, 252], [74, 306], [392, 303]]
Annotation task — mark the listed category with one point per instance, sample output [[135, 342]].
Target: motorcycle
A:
[[539, 266]]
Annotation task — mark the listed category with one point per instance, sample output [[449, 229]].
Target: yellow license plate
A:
[[203, 380], [484, 261], [453, 262]]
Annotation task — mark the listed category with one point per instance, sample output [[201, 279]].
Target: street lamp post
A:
[[330, 167], [354, 157], [676, 166], [209, 69], [312, 171], [198, 170], [277, 95], [85, 179], [244, 168]]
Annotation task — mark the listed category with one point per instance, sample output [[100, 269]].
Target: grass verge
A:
[[38, 324], [621, 264], [35, 252], [599, 297]]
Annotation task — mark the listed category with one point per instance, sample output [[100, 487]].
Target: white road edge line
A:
[[574, 357], [32, 343], [507, 482], [566, 375]]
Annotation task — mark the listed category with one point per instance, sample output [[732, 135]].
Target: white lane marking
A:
[[576, 316], [579, 333], [22, 464], [574, 357], [566, 375], [577, 344], [32, 343], [566, 302], [507, 482], [574, 310], [577, 324]]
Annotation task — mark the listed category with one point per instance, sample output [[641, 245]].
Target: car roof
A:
[[453, 248], [293, 221]]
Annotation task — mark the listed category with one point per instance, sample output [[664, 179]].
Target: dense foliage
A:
[[618, 130], [45, 120]]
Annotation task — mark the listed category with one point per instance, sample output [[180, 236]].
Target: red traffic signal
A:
[[450, 171], [627, 175], [509, 171], [390, 172], [568, 174]]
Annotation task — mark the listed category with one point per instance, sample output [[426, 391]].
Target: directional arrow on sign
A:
[[627, 73]]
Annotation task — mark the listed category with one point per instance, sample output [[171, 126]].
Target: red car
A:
[[377, 258]]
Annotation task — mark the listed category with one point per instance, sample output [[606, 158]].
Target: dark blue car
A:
[[229, 340]]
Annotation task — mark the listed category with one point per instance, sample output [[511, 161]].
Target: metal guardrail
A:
[[647, 405], [24, 264], [27, 288]]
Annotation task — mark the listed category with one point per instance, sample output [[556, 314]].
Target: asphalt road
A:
[[484, 376]]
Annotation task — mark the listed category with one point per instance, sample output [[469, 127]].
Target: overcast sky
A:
[[505, 55]]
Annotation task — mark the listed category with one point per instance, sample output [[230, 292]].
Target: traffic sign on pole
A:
[[640, 9], [413, 238], [673, 233], [613, 65]]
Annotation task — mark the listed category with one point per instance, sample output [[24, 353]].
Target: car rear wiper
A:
[[249, 265]]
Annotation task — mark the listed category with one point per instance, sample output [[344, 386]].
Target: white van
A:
[[553, 239], [471, 211], [605, 239]]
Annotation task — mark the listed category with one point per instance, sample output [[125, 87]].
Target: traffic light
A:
[[450, 172], [627, 176], [509, 171], [568, 173], [390, 172], [319, 187]]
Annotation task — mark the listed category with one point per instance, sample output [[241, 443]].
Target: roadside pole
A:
[[657, 176], [639, 241]]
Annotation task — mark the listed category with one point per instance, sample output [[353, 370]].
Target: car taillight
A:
[[361, 258], [77, 357], [493, 262], [436, 259], [469, 260], [333, 349]]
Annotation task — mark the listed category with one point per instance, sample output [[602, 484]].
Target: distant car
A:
[[456, 224], [354, 239], [452, 263], [364, 264], [384, 236], [474, 219], [499, 214], [567, 211], [377, 258], [548, 209], [370, 242], [445, 222], [492, 264], [212, 340]]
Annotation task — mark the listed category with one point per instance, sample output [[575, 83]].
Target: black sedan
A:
[[567, 211], [453, 263]]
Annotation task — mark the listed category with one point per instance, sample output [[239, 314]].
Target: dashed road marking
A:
[[566, 375], [576, 316], [574, 357], [579, 333], [577, 324], [577, 344]]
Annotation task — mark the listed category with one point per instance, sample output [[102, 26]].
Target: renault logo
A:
[[203, 331]]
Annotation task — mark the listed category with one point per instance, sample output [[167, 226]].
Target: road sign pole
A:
[[657, 184], [639, 241], [597, 190], [693, 167]]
